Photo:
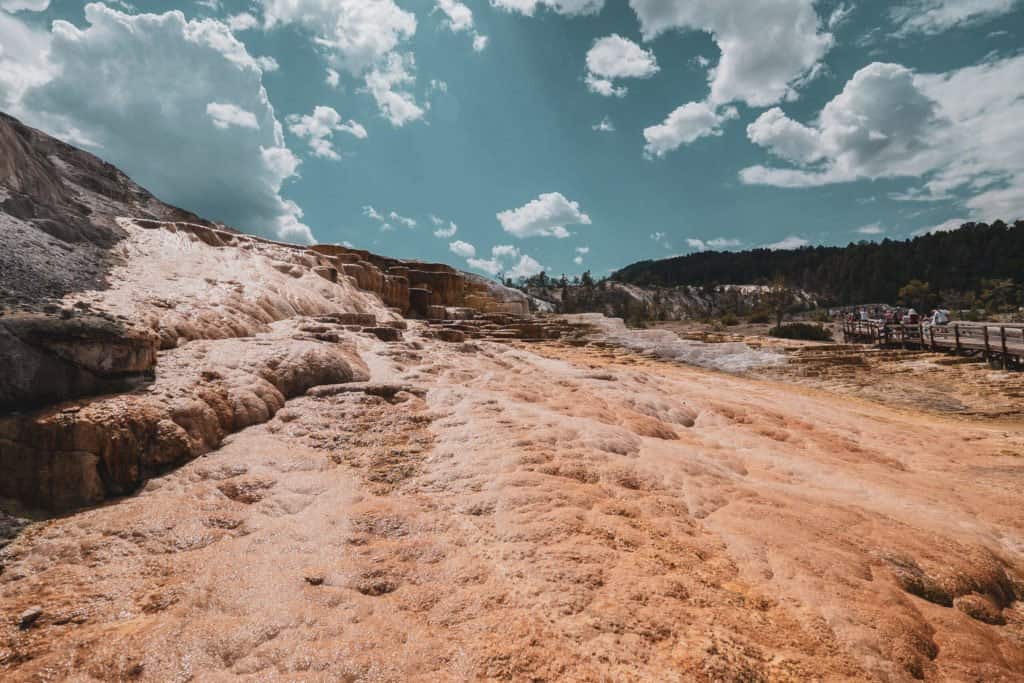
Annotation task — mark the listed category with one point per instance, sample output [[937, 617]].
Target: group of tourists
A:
[[908, 316]]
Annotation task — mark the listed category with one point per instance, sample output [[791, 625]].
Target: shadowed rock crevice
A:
[[74, 455]]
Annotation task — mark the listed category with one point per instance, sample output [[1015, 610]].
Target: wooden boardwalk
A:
[[998, 343]]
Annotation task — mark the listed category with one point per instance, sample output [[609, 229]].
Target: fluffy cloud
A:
[[768, 49], [319, 127], [605, 125], [526, 267], [463, 249], [446, 231], [686, 124], [459, 19], [614, 57], [226, 115], [566, 7], [217, 125], [545, 216], [386, 222], [766, 46], [504, 259], [28, 5], [384, 83], [242, 22], [870, 229], [791, 242], [580, 253], [362, 38], [357, 34], [23, 62], [490, 266], [604, 87], [785, 137], [936, 16], [404, 220], [958, 131], [946, 226], [716, 243], [662, 239]]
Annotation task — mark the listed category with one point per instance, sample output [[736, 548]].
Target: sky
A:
[[511, 136]]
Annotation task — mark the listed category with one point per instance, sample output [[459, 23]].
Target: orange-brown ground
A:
[[547, 512], [959, 387]]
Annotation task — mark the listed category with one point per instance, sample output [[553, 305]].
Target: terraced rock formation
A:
[[225, 458]]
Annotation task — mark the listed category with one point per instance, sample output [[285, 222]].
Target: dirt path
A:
[[546, 513]]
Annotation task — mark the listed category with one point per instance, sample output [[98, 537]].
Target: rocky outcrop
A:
[[48, 358], [52, 196], [414, 286], [72, 455]]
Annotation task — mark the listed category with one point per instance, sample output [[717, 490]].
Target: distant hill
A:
[[953, 262]]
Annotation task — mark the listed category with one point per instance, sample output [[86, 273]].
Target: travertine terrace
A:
[[297, 474]]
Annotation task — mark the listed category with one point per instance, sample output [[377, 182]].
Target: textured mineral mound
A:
[[223, 457]]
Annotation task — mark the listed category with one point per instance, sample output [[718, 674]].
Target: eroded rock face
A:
[[73, 455], [48, 358]]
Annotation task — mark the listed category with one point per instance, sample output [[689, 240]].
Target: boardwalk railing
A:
[[1001, 343]]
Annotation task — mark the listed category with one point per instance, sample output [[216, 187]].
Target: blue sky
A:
[[564, 134]]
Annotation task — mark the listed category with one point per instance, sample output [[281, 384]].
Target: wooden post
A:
[[920, 335], [1006, 356], [931, 337], [956, 333], [988, 351]]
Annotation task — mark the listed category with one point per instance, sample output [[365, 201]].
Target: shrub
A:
[[760, 317], [729, 320], [802, 331]]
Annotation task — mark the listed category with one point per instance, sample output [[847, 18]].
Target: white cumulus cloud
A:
[[319, 127], [605, 125], [870, 229], [603, 86], [958, 131], [936, 16], [459, 19], [566, 7], [504, 251], [463, 249], [686, 124], [545, 216], [444, 232], [386, 82], [614, 57], [768, 50], [404, 220], [217, 125], [243, 22], [489, 266], [527, 266], [787, 243], [716, 243], [227, 115], [766, 46], [26, 5], [946, 226], [362, 38]]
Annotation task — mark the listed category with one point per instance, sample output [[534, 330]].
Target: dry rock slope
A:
[[274, 462]]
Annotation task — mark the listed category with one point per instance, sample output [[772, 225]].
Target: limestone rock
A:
[[49, 358], [61, 458]]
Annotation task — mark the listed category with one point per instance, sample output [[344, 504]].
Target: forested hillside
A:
[[958, 267]]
